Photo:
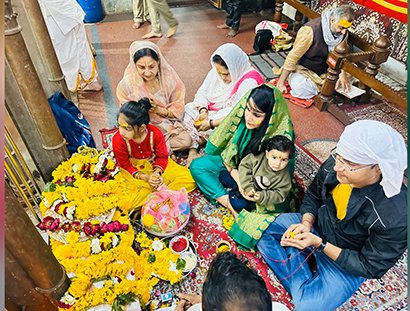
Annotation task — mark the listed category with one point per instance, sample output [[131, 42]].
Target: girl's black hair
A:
[[136, 112], [264, 99], [280, 143], [218, 60], [145, 52]]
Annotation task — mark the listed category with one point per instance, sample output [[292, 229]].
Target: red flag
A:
[[393, 8]]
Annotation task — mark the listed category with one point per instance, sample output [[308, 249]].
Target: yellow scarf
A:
[[341, 195]]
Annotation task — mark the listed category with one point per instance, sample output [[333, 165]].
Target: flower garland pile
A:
[[97, 252]]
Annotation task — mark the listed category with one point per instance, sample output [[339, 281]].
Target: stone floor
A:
[[189, 53]]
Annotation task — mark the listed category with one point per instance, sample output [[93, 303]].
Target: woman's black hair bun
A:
[[146, 103]]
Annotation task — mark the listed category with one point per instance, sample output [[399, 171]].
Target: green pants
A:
[[159, 8], [140, 10]]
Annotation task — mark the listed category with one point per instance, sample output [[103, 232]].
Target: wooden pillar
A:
[[380, 48], [335, 62], [21, 70], [277, 16], [27, 248], [40, 47], [20, 291]]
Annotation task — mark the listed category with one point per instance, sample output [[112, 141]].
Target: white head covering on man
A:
[[374, 142]]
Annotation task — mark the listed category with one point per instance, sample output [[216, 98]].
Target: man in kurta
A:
[[305, 66]]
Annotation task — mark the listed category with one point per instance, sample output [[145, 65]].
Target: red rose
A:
[[76, 226], [95, 230], [55, 225], [87, 228], [57, 207]]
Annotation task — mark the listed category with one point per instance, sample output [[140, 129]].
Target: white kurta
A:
[[215, 93], [64, 20]]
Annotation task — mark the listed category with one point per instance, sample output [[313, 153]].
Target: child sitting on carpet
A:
[[263, 178], [139, 148]]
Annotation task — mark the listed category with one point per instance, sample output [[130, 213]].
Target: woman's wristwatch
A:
[[321, 247]]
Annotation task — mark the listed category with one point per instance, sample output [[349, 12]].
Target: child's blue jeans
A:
[[324, 290], [236, 199]]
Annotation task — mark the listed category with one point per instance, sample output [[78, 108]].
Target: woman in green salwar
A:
[[261, 114]]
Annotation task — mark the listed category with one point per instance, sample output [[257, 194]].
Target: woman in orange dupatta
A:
[[149, 75]]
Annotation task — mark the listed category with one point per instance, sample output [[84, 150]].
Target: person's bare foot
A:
[[192, 155], [93, 86], [232, 33], [223, 26], [136, 25], [172, 31], [152, 35]]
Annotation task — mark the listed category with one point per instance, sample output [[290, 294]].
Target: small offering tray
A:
[[189, 253]]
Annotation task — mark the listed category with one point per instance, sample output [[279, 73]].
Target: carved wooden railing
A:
[[341, 58]]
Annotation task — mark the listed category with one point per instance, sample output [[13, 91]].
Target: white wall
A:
[[116, 6]]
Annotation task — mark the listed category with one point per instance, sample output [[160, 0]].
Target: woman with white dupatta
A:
[[229, 79]]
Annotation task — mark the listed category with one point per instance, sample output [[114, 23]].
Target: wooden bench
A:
[[363, 65]]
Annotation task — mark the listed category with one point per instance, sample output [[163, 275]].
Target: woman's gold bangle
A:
[[200, 110]]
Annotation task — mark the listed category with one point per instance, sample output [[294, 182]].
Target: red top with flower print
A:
[[142, 150]]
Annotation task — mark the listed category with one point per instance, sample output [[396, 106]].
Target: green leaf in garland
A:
[[151, 258], [181, 263], [50, 187], [122, 300]]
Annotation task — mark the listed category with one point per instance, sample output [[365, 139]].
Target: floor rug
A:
[[380, 111], [377, 108], [206, 229], [320, 148], [266, 62]]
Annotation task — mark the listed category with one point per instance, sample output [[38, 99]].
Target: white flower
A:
[[70, 211], [68, 299], [115, 280], [98, 167], [46, 203], [71, 275], [130, 275], [115, 241], [64, 197], [56, 202], [115, 172], [99, 284], [95, 246], [173, 266], [76, 167], [157, 245]]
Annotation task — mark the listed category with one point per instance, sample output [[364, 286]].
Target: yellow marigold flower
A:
[[72, 237], [148, 220], [228, 222]]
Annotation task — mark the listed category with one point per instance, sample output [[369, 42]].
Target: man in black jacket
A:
[[353, 220]]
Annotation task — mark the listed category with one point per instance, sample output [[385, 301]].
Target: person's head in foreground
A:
[[133, 118], [369, 152], [279, 150], [231, 286]]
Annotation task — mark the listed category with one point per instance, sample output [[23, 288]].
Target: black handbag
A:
[[263, 41]]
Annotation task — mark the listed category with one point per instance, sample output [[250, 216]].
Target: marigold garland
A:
[[105, 266]]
